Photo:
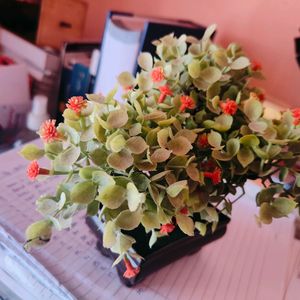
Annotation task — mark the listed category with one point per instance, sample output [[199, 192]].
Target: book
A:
[[125, 36]]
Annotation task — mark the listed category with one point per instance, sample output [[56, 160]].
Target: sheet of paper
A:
[[247, 263]]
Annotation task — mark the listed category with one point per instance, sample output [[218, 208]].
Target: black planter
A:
[[165, 251]]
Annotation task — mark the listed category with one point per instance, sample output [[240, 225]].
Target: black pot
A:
[[165, 251]]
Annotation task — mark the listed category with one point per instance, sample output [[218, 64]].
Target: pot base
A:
[[165, 251]]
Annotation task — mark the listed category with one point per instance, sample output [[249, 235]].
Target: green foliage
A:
[[145, 160]]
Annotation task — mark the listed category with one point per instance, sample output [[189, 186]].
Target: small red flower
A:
[[187, 102], [184, 211], [256, 66], [77, 104], [166, 228], [215, 176], [202, 141], [229, 107], [296, 115], [164, 92], [48, 131], [157, 74], [261, 97], [128, 88], [130, 270], [33, 170]]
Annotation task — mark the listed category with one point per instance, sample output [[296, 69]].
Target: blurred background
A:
[[53, 49]]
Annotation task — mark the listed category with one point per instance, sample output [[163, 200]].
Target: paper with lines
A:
[[247, 263]]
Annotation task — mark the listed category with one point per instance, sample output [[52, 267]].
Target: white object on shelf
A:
[[38, 113]]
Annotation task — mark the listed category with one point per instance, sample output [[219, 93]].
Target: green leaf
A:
[[179, 145], [211, 75], [253, 109], [69, 156], [54, 147], [125, 242], [265, 213], [174, 189], [117, 118], [214, 139], [159, 175], [112, 196], [38, 233], [121, 160], [223, 122], [202, 227], [117, 143], [186, 224], [83, 192], [87, 172], [126, 79], [153, 238], [135, 129], [134, 197], [283, 206], [150, 220], [102, 178], [212, 214], [128, 220], [283, 174], [99, 130], [220, 58], [267, 194], [240, 63], [160, 155], [145, 61], [144, 81], [70, 114], [136, 145], [98, 156], [69, 132], [109, 234], [140, 180], [258, 126], [87, 134], [194, 69], [93, 208], [32, 152], [245, 156], [233, 146], [249, 140]]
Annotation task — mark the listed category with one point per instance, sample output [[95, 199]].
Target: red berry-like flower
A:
[[184, 211], [33, 170], [130, 270], [202, 141], [164, 92], [215, 176], [128, 88], [76, 104], [261, 97], [229, 107], [187, 102], [157, 74], [166, 228], [48, 131], [296, 115], [256, 66]]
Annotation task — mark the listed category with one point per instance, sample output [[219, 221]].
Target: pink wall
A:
[[265, 29]]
